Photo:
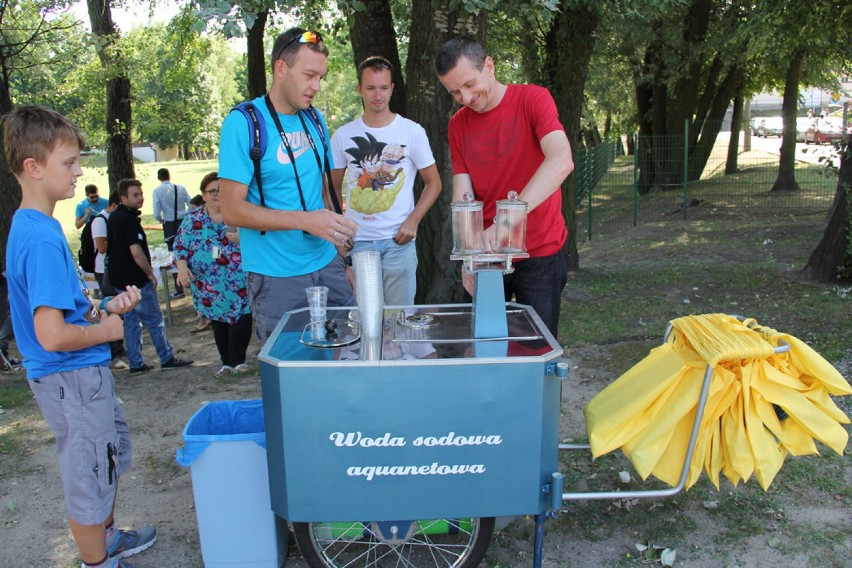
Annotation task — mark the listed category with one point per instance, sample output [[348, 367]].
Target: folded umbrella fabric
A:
[[761, 405]]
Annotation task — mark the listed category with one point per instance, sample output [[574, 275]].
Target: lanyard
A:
[[289, 149]]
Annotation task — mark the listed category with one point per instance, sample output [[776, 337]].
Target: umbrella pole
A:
[[655, 493]]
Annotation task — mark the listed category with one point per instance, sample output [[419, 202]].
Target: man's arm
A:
[[322, 223], [461, 185], [549, 176], [431, 190], [337, 180], [158, 210], [80, 221], [142, 262], [184, 198]]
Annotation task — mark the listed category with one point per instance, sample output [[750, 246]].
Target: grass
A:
[[188, 174], [734, 253], [632, 282]]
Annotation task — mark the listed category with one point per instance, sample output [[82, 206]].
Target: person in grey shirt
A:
[[171, 204]]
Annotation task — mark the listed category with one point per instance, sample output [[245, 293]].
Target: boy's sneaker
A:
[[242, 368], [126, 543], [176, 295], [174, 363], [117, 364], [114, 563], [143, 369]]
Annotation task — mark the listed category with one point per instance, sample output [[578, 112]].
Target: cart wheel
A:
[[444, 543]]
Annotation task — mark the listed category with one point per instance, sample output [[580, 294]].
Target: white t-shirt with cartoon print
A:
[[381, 166]]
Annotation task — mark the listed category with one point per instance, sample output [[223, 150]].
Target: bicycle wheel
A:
[[441, 543]]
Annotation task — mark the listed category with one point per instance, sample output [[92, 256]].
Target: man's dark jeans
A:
[[538, 282]]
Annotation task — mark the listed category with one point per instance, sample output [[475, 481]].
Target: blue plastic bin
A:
[[225, 450]]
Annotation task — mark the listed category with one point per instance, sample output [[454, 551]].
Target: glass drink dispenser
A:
[[467, 225], [511, 224]]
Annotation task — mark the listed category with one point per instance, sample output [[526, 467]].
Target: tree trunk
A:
[[569, 45], [256, 56], [681, 121], [705, 130], [10, 190], [429, 104], [118, 119], [786, 180], [371, 32], [834, 251], [731, 166]]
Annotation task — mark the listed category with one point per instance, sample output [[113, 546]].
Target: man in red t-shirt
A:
[[508, 137]]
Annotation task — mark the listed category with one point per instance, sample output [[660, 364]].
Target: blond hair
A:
[[32, 131]]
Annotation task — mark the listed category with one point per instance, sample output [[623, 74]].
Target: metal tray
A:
[[348, 332]]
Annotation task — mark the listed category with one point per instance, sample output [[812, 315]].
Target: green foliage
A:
[[37, 48]]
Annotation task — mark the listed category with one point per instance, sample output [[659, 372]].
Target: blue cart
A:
[[401, 450]]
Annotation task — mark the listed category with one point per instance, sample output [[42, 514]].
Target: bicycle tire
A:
[[341, 545]]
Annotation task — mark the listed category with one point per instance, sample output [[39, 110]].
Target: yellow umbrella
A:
[[761, 405]]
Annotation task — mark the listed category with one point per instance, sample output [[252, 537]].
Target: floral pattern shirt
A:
[[219, 289]]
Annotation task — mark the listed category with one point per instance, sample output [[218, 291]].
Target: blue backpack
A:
[[259, 142]]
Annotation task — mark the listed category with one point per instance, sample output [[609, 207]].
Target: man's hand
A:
[[407, 231], [328, 225]]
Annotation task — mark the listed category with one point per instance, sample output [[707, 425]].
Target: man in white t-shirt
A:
[[99, 236], [380, 154]]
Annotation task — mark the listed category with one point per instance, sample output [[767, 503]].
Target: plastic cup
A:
[[317, 302], [368, 291]]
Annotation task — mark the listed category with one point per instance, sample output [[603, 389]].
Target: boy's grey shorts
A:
[[92, 438]]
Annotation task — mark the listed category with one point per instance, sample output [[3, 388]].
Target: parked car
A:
[[770, 126], [803, 123], [825, 130]]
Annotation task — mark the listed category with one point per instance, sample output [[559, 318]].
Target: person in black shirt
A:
[[129, 262]]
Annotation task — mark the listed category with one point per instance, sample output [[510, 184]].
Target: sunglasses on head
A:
[[305, 37]]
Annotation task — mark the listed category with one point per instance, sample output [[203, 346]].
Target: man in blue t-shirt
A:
[[89, 207], [292, 241]]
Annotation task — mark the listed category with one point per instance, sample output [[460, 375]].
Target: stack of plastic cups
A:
[[371, 302]]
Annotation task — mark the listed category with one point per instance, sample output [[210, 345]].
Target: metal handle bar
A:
[[693, 438]]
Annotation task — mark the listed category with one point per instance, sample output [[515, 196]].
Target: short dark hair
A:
[[91, 188], [197, 200], [163, 174], [33, 131], [127, 183], [287, 44], [376, 63], [456, 48], [114, 198], [212, 176]]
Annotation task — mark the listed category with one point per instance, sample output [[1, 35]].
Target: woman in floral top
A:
[[209, 263]]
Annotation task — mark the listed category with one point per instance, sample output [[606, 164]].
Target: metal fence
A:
[[608, 183]]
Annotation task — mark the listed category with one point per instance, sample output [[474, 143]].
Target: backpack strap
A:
[[312, 114], [257, 139], [258, 143]]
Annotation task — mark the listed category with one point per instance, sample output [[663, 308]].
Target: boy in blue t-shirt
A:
[[63, 337]]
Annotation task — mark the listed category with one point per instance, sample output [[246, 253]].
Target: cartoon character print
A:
[[380, 174]]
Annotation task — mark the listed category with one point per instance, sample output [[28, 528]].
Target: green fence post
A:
[[587, 170], [685, 165], [635, 179]]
